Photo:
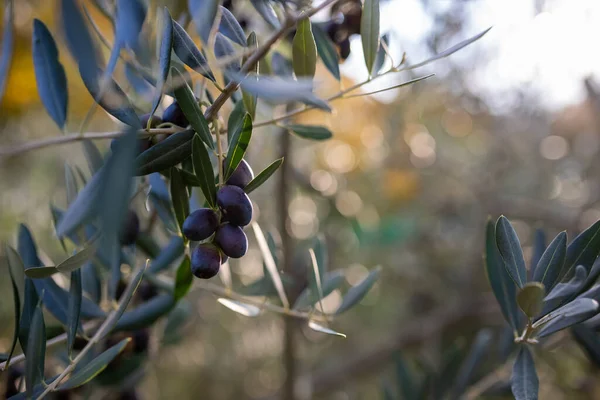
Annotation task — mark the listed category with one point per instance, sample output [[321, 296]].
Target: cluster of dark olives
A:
[[224, 225]]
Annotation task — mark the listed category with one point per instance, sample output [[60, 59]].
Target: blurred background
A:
[[509, 125]]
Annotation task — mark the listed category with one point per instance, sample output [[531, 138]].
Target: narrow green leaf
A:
[[266, 11], [179, 197], [447, 52], [70, 184], [171, 252], [235, 121], [583, 250], [230, 27], [356, 293], [539, 247], [570, 314], [263, 176], [36, 350], [502, 285], [381, 54], [565, 291], [188, 53], [238, 145], [406, 381], [551, 262], [29, 303], [40, 272], [331, 281], [204, 170], [7, 44], [245, 309], [92, 155], [166, 44], [75, 295], [193, 113], [77, 260], [311, 132], [304, 50], [49, 74], [320, 328], [249, 99], [17, 280], [166, 154], [327, 51], [183, 279], [525, 384], [469, 368], [369, 32], [204, 14], [124, 301], [94, 367], [270, 264], [530, 298], [510, 249], [145, 314]]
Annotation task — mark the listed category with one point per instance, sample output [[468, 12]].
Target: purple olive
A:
[[235, 204], [174, 114], [232, 240], [242, 175], [206, 261], [200, 224], [156, 121]]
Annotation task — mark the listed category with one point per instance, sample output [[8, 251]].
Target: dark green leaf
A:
[[93, 156], [311, 132], [565, 291], [113, 202], [583, 250], [263, 176], [279, 90], [31, 299], [238, 145], [192, 112], [224, 49], [230, 27], [204, 13], [179, 197], [112, 99], [145, 314], [77, 260], [331, 281], [97, 365], [530, 298], [188, 53], [49, 74], [40, 272], [539, 247], [35, 352], [130, 17], [447, 52], [570, 314], [304, 50], [71, 184], [27, 248], [381, 54], [164, 59], [166, 154], [551, 263], [369, 32], [17, 280], [168, 255], [7, 45], [177, 319], [327, 51], [204, 170], [137, 81], [74, 309], [524, 379], [356, 293], [502, 285], [90, 281], [249, 99], [235, 121], [589, 340], [266, 11], [124, 301], [183, 279], [510, 250], [477, 354], [78, 38]]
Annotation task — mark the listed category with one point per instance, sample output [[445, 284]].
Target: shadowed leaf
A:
[[238, 145], [188, 53], [311, 132], [7, 44], [183, 279], [173, 250], [164, 60], [570, 314], [230, 27], [357, 292], [510, 251], [166, 154], [74, 309], [17, 280], [35, 351], [179, 198], [203, 13], [551, 262], [145, 314], [327, 51], [263, 176], [524, 378], [265, 10], [49, 74], [203, 170]]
